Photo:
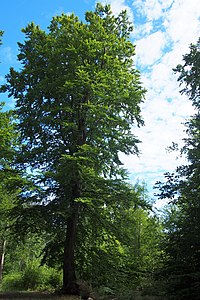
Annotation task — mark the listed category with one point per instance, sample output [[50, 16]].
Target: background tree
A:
[[125, 250], [12, 181], [7, 141], [23, 270], [183, 239], [9, 178], [77, 97]]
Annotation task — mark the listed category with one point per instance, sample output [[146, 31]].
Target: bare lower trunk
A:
[[2, 256], [69, 277]]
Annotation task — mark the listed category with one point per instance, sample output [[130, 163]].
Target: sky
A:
[[163, 31]]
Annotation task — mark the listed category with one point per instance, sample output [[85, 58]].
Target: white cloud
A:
[[162, 41], [143, 29], [182, 21], [149, 49], [179, 26], [152, 9]]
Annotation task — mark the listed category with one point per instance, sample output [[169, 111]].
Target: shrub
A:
[[54, 278], [32, 278], [12, 282]]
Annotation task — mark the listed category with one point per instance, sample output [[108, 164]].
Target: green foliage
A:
[[32, 278], [23, 270], [8, 136], [182, 242], [189, 74], [11, 180], [126, 255], [21, 254], [76, 75], [12, 282], [41, 278]]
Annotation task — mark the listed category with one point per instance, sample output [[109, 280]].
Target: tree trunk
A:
[[69, 277], [2, 256]]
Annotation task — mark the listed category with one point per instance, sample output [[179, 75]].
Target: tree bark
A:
[[2, 256], [69, 277]]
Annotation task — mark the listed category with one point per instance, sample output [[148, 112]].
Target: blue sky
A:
[[163, 31]]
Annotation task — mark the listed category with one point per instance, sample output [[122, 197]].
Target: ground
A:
[[34, 296], [43, 295]]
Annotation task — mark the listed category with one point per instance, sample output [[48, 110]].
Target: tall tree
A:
[[183, 239], [77, 95]]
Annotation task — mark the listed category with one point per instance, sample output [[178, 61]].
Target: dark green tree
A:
[[77, 95], [6, 154], [182, 187], [9, 178]]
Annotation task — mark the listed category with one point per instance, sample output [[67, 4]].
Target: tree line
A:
[[67, 207]]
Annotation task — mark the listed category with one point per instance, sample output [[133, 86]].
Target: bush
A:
[[54, 278], [12, 282], [32, 278]]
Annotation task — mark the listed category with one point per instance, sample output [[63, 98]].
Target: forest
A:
[[71, 223]]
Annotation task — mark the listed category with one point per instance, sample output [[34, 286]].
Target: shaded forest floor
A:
[[43, 295], [34, 295]]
